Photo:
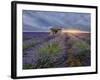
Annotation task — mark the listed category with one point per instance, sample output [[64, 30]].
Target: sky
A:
[[38, 21]]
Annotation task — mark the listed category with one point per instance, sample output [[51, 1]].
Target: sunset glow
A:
[[74, 31]]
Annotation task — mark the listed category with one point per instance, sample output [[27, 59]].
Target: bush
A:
[[51, 49], [46, 56]]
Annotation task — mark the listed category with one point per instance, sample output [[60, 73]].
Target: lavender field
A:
[[43, 50]]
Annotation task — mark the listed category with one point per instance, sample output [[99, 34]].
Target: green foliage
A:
[[27, 66], [51, 49], [46, 55], [81, 45], [83, 54]]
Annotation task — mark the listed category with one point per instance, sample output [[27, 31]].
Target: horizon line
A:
[[63, 32]]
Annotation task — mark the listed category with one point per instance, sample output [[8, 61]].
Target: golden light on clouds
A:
[[73, 31]]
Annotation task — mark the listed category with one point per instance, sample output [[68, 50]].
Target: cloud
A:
[[42, 21]]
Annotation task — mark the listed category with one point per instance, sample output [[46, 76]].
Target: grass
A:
[[81, 45], [51, 49], [48, 52], [82, 54], [26, 46], [46, 55], [27, 66]]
